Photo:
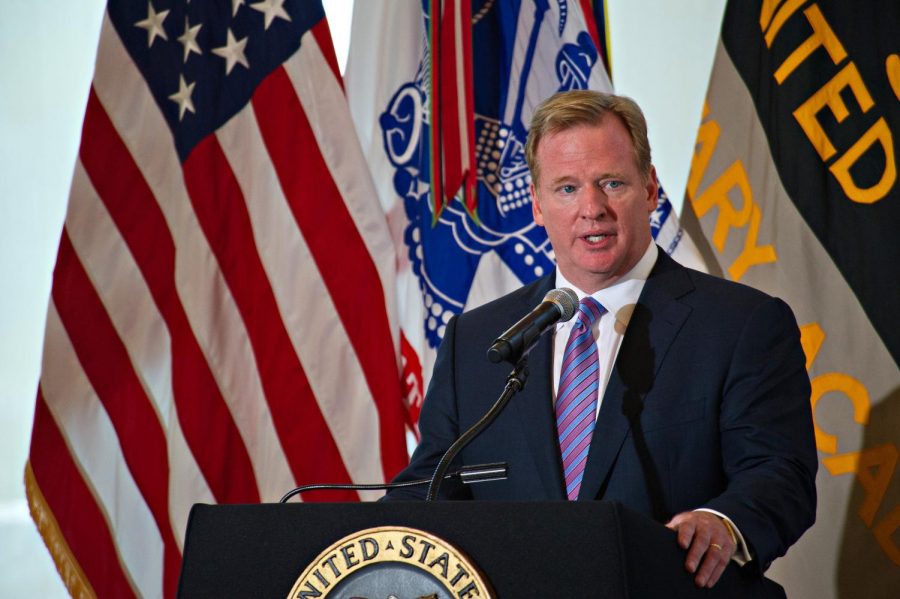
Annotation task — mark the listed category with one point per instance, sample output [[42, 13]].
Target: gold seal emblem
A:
[[390, 562]]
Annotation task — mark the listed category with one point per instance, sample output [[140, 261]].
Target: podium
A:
[[523, 549]]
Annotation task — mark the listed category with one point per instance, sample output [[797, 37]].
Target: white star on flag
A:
[[189, 39], [232, 52], [235, 5], [183, 97], [153, 24], [271, 9]]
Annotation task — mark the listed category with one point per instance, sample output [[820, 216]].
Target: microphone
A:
[[559, 305]]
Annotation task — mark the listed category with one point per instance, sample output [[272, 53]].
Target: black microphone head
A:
[[565, 300], [520, 337]]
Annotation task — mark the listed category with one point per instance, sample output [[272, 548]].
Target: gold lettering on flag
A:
[[719, 194], [874, 467], [829, 95]]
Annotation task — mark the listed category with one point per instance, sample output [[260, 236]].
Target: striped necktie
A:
[[576, 401]]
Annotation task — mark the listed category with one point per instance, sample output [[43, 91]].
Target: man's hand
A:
[[705, 538]]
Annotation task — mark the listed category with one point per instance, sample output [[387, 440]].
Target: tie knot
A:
[[589, 310]]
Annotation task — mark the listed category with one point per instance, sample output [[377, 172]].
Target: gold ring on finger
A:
[[716, 545]]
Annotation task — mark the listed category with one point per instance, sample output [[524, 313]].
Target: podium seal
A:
[[391, 562]]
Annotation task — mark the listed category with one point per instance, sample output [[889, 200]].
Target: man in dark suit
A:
[[681, 395]]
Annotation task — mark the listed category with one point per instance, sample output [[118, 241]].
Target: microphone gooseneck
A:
[[515, 382]]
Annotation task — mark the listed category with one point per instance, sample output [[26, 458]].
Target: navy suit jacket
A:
[[707, 406]]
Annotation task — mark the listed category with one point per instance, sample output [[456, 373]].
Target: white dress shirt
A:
[[619, 301], [609, 330]]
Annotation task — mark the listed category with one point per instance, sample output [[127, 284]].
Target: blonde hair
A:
[[566, 110]]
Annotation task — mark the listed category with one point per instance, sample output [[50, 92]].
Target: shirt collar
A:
[[621, 297]]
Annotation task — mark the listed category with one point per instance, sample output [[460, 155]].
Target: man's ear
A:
[[535, 207], [652, 190]]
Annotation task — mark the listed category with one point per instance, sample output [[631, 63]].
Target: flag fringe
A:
[[68, 567]]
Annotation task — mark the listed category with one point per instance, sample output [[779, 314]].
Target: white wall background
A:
[[662, 55]]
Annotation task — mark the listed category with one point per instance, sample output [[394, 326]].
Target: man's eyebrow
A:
[[570, 178], [562, 179]]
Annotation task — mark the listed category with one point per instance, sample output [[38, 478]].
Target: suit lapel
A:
[[534, 406], [655, 323]]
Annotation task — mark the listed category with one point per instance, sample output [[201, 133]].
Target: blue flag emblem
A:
[[445, 254]]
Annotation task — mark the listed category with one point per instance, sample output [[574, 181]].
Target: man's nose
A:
[[594, 203]]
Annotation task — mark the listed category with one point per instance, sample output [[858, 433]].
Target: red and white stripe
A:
[[219, 330]]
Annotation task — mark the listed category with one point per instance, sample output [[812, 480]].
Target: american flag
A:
[[221, 326]]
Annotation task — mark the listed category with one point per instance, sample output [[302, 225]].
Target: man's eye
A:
[[567, 189], [613, 184]]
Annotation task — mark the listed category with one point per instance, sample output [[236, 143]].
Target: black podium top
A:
[[526, 549]]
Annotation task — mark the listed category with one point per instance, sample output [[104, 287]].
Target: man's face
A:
[[593, 202]]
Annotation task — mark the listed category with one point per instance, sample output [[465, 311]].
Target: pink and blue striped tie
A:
[[576, 402]]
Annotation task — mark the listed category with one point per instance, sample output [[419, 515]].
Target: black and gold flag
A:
[[794, 185]]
